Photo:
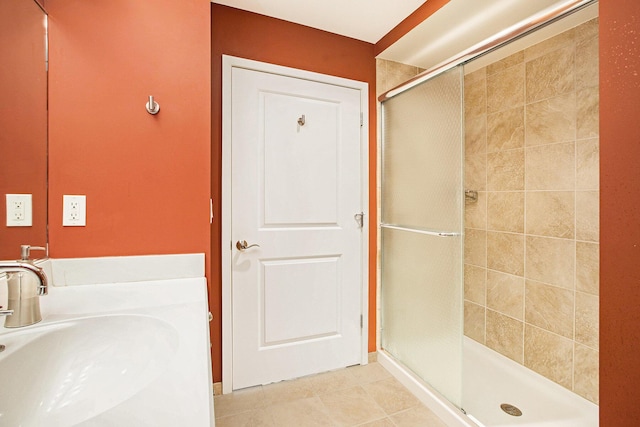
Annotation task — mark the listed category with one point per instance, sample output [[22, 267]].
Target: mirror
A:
[[23, 124]]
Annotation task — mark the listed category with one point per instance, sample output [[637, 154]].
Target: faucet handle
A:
[[25, 251]]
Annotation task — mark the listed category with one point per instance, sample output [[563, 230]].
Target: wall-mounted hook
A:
[[301, 122], [152, 106]]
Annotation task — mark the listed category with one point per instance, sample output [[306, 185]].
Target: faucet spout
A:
[[19, 266], [26, 283]]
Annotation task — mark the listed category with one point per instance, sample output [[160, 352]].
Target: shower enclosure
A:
[[473, 297]]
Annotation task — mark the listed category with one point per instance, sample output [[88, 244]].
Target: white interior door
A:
[[296, 190]]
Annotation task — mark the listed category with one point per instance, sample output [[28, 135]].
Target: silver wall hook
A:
[[152, 106]]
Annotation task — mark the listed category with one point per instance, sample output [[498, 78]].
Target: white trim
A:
[[229, 62], [433, 400]]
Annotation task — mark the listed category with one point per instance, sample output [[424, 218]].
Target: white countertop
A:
[[182, 394]]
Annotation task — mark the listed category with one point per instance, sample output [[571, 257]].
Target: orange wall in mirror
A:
[[23, 120]]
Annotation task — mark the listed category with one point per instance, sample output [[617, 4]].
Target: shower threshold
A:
[[491, 380]]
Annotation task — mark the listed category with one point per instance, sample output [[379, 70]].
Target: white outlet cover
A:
[[19, 210], [74, 210]]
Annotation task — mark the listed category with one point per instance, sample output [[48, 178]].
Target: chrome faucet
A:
[[26, 282]]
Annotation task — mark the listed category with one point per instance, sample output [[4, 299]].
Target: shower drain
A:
[[511, 410]]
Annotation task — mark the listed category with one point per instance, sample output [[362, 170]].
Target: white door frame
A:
[[229, 62]]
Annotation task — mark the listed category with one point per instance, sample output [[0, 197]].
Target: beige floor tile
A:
[[419, 416], [257, 418], [391, 396], [351, 406], [286, 391], [239, 401], [332, 381], [309, 412], [369, 373], [361, 396]]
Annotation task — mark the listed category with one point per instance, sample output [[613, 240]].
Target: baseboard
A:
[[217, 389]]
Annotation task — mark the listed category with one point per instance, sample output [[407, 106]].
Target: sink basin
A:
[[63, 373]]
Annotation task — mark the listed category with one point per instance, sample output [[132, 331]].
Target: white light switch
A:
[[19, 210], [74, 211]]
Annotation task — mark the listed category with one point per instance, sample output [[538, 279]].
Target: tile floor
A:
[[365, 396]]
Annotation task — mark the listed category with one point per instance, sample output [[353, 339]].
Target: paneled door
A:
[[296, 227]]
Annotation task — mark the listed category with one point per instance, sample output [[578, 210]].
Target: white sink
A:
[[63, 373]]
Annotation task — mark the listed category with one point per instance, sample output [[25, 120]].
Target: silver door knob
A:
[[242, 245]]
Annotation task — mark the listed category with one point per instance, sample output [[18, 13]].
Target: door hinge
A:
[[361, 119], [361, 321], [210, 211], [359, 217]]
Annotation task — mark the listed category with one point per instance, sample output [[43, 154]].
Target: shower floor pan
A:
[[490, 381]]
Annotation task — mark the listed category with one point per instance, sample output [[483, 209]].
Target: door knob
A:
[[242, 245]]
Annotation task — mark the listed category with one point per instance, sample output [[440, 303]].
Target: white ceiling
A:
[[457, 26], [367, 20]]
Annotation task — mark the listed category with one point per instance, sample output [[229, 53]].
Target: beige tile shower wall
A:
[[532, 239], [389, 74]]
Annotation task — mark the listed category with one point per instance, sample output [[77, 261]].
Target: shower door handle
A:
[[242, 245], [421, 231]]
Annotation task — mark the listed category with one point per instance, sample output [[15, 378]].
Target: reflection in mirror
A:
[[23, 122]]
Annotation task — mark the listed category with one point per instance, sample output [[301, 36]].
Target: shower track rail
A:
[[514, 32], [420, 231]]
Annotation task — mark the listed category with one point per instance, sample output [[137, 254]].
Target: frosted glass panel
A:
[[422, 158], [422, 307], [422, 193]]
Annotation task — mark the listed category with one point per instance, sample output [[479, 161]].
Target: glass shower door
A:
[[422, 226]]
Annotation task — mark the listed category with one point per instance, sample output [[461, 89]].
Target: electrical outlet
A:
[[74, 211], [17, 209], [19, 212]]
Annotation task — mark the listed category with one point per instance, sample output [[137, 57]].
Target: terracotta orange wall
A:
[[619, 213], [147, 178], [248, 35], [23, 120]]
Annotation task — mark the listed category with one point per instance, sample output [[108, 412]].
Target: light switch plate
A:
[[19, 210], [74, 211]]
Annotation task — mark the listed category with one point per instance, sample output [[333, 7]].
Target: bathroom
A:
[[167, 169]]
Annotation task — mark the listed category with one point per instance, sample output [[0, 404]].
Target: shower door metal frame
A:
[[512, 33]]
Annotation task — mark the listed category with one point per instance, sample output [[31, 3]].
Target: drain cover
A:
[[511, 410]]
